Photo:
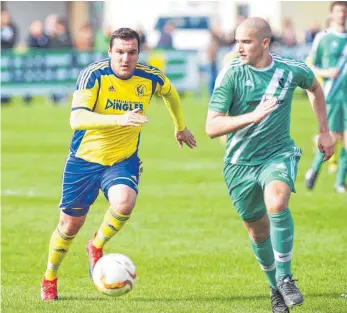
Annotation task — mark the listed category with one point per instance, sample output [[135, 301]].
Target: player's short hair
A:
[[125, 33], [334, 3]]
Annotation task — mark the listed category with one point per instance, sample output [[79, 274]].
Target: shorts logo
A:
[[140, 90], [134, 178]]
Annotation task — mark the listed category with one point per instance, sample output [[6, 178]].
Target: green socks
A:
[[265, 256], [317, 161], [282, 235], [342, 168]]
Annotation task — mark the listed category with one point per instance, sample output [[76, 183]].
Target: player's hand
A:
[[185, 136], [333, 73], [326, 145], [264, 108], [132, 118]]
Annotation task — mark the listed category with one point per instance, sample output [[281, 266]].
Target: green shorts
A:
[[246, 183], [337, 116]]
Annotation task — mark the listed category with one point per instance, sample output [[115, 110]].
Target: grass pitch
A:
[[191, 250]]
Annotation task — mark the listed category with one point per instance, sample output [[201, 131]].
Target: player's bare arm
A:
[[325, 141], [218, 124], [325, 72]]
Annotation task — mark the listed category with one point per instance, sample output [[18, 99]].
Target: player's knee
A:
[[276, 204], [123, 205], [71, 225]]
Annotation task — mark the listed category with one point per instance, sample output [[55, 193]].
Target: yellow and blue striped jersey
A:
[[100, 90]]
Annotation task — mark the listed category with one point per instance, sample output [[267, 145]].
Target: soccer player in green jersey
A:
[[251, 103], [329, 58]]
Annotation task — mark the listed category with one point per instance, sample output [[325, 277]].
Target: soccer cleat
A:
[[310, 178], [340, 189], [277, 303], [94, 255], [49, 289], [290, 293]]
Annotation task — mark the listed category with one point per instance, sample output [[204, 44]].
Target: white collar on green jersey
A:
[[264, 69], [342, 35]]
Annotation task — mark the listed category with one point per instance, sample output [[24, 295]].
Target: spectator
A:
[[37, 38], [311, 33], [288, 34], [8, 39], [217, 40], [166, 40], [102, 38], [51, 25], [61, 37], [84, 41], [8, 31], [143, 38]]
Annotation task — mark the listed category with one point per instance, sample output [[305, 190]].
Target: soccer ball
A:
[[114, 274]]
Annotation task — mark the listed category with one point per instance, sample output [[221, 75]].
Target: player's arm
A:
[[217, 122], [172, 100], [316, 98], [82, 115]]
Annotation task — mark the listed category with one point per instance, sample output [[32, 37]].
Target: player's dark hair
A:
[[125, 34], [334, 3]]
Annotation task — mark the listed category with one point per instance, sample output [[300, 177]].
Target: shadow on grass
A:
[[193, 298], [84, 298], [204, 299]]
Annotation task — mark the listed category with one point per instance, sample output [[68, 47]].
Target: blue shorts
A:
[[82, 180]]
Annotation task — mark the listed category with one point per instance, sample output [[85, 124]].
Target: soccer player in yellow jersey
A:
[[108, 111]]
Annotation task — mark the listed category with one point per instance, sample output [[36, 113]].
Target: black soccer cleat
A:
[[277, 303], [310, 178], [290, 293]]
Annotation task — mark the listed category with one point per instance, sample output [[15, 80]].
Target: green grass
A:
[[190, 248]]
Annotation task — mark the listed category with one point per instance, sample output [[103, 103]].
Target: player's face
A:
[[124, 55], [339, 14], [249, 48]]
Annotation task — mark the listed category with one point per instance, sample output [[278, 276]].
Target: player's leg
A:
[[79, 190], [259, 234], [120, 186], [247, 197], [334, 116], [340, 183], [277, 178]]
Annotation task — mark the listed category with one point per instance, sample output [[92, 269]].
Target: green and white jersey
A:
[[239, 89], [330, 51]]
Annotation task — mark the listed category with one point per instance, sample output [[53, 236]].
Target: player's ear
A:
[[266, 43], [109, 52]]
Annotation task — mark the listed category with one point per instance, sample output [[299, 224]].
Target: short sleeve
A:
[[304, 76], [221, 99]]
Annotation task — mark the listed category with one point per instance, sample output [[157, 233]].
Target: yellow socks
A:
[[58, 247], [112, 224]]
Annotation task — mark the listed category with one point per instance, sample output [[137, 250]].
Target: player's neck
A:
[[339, 28], [264, 62]]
